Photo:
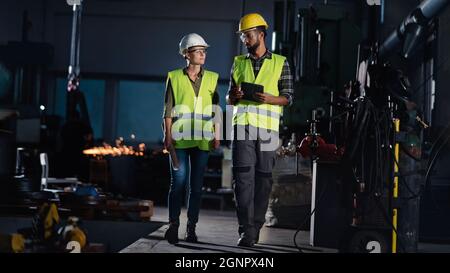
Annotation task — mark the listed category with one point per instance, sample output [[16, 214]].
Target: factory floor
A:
[[217, 233]]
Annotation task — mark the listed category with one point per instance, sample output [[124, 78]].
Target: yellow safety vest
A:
[[260, 115], [192, 115]]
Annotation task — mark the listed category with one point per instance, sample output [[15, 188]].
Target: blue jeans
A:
[[192, 163]]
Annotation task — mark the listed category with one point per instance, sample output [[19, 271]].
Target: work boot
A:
[[246, 241], [191, 237], [241, 230], [171, 234], [257, 236]]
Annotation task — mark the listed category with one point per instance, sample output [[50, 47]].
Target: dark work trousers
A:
[[252, 173]]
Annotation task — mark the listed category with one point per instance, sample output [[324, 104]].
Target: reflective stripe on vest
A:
[[192, 124], [192, 116], [241, 109], [256, 114]]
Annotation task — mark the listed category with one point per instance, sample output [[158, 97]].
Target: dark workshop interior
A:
[[363, 123]]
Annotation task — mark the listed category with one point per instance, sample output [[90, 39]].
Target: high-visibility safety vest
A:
[[260, 115], [192, 124]]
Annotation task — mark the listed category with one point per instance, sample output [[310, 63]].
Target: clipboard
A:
[[250, 89]]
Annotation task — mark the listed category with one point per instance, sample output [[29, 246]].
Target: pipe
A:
[[330, 125], [77, 60], [432, 7], [357, 61], [74, 69], [410, 31], [302, 47], [319, 46], [285, 21]]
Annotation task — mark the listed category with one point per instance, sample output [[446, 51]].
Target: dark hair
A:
[[263, 30]]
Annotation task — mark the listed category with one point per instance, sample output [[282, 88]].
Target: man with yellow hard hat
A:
[[256, 122]]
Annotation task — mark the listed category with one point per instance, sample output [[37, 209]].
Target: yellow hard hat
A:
[[252, 20]]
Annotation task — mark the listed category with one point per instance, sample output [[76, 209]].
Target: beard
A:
[[252, 49]]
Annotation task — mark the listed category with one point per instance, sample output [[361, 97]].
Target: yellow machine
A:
[[14, 243], [71, 233]]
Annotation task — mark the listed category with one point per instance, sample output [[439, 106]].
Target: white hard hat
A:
[[190, 40]]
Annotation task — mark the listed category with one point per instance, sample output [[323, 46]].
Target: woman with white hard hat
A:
[[189, 131]]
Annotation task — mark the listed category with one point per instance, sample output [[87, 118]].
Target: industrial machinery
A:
[[320, 44], [387, 125], [374, 124]]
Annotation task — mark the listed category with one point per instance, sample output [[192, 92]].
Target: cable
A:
[[372, 128], [389, 222], [441, 135], [340, 115], [430, 168], [406, 152], [366, 153], [433, 161], [439, 67], [305, 220], [402, 178]]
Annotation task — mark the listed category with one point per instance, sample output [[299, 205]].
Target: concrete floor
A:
[[217, 233]]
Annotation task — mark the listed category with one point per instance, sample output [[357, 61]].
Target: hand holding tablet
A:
[[250, 89]]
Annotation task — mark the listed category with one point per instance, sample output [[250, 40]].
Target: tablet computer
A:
[[250, 89]]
